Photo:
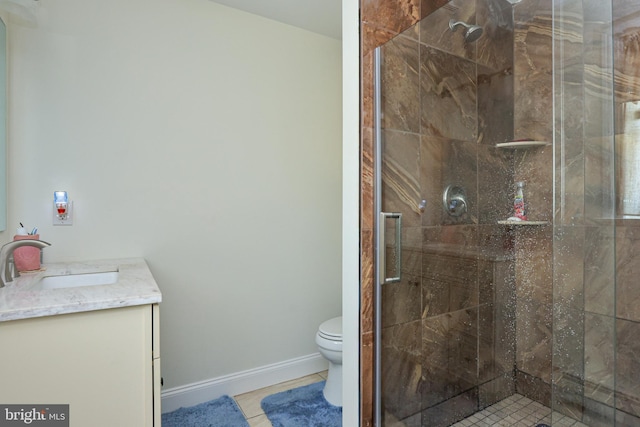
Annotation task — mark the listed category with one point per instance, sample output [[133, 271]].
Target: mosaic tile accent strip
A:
[[517, 411]]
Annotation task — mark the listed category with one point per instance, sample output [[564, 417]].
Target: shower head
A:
[[472, 33]]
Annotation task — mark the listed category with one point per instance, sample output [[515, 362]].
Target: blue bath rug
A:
[[220, 412], [302, 406]]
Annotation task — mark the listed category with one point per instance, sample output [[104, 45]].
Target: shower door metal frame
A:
[[380, 244], [377, 140]]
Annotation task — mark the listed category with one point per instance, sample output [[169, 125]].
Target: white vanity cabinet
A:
[[104, 363]]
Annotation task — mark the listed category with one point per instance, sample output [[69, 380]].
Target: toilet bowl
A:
[[329, 341]]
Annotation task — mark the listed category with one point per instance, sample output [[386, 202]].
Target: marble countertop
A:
[[21, 299]]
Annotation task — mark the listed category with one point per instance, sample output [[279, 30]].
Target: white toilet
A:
[[329, 340]]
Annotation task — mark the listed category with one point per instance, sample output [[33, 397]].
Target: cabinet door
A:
[[157, 393], [98, 362], [157, 374]]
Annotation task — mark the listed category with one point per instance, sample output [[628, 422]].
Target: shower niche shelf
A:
[[522, 144], [523, 223]]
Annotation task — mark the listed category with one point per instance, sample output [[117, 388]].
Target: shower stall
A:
[[482, 312]]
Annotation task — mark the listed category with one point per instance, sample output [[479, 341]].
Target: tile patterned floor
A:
[[514, 411], [249, 403], [517, 411]]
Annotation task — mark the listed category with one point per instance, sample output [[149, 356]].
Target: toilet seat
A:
[[331, 329]]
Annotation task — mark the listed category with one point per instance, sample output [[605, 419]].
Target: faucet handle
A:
[[11, 266]]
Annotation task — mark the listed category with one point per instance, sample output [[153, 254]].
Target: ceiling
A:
[[318, 16]]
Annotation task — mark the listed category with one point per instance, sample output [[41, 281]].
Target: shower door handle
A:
[[382, 248]]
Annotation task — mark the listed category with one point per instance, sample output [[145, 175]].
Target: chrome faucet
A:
[[7, 273]]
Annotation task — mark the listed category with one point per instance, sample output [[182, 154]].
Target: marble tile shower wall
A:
[[533, 119], [455, 140]]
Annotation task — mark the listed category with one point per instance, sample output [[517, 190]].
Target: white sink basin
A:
[[77, 280]]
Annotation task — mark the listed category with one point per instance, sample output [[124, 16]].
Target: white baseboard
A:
[[242, 382]]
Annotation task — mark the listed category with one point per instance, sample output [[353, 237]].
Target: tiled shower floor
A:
[[517, 411]]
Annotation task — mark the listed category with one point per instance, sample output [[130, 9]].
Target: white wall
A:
[[351, 213], [204, 139]]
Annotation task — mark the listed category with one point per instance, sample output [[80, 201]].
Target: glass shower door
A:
[[445, 329], [584, 360], [472, 307]]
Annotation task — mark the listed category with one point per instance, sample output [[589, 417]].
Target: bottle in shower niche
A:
[[518, 202]]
